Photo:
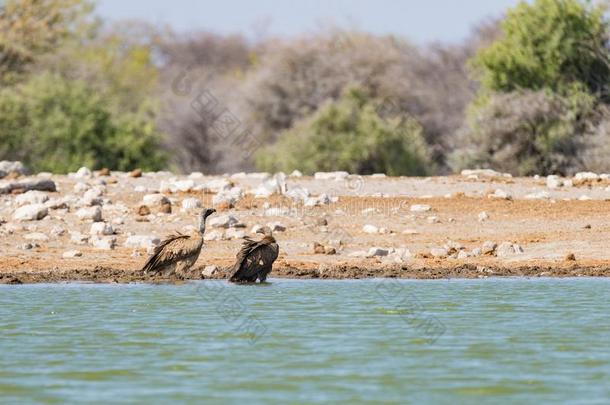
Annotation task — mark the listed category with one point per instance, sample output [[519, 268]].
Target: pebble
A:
[[31, 197], [368, 228], [82, 173], [78, 238], [540, 195], [420, 208], [377, 251], [37, 236], [488, 247], [57, 231], [101, 228], [233, 233], [103, 243], [276, 227], [71, 254], [337, 176], [483, 216], [92, 213], [209, 271], [224, 221], [553, 181], [439, 252], [296, 173], [30, 212], [215, 234], [155, 200], [500, 195], [142, 241], [191, 203]]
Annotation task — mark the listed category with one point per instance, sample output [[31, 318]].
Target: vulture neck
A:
[[202, 225]]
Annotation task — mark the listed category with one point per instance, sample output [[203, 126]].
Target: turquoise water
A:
[[293, 341]]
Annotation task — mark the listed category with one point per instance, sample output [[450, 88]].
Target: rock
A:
[[584, 197], [165, 208], [155, 200], [318, 248], [276, 227], [329, 250], [358, 253], [58, 203], [101, 228], [483, 216], [209, 271], [399, 255], [506, 249], [433, 220], [81, 187], [570, 257], [370, 229], [540, 195], [439, 252], [105, 172], [103, 243], [27, 246], [420, 208], [277, 212], [92, 213], [296, 173], [191, 203], [410, 232], [31, 212], [183, 185], [590, 176], [337, 176], [7, 167], [500, 195], [78, 238], [71, 254], [378, 175], [224, 221], [462, 254], [476, 252], [377, 251], [228, 197], [215, 234], [488, 247], [143, 210], [216, 185], [40, 184], [57, 231], [37, 236], [83, 173], [142, 241], [274, 185], [31, 197], [298, 193], [484, 173], [553, 181], [135, 173], [195, 175]]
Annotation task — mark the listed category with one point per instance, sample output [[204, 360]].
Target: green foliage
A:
[[349, 135], [528, 132], [58, 125], [548, 44]]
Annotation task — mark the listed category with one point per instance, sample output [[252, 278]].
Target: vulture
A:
[[177, 253], [255, 258]]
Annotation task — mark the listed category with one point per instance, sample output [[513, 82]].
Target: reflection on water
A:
[[295, 341]]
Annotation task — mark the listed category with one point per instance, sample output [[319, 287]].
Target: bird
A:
[[255, 258], [178, 252]]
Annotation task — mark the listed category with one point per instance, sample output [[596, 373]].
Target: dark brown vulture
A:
[[255, 259], [177, 253]]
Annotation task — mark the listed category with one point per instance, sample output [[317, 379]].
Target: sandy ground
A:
[[565, 233]]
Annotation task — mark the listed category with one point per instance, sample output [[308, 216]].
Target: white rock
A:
[[484, 173], [420, 208], [31, 197], [83, 172], [230, 196], [215, 234], [103, 243], [155, 199], [359, 253], [233, 233], [476, 252], [191, 203], [216, 185], [337, 176], [71, 254], [78, 238], [195, 175], [37, 236], [378, 175], [298, 193], [462, 254], [91, 213], [500, 194], [296, 173], [483, 216], [277, 212], [276, 227], [377, 251], [439, 252], [586, 176], [410, 232], [488, 247], [58, 203], [368, 228], [81, 187], [224, 221], [142, 241], [101, 228], [183, 185], [31, 212], [540, 195], [506, 249], [57, 231], [118, 221], [553, 181], [209, 271], [433, 220], [7, 166], [584, 197]]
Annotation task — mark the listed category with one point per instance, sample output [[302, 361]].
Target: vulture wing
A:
[[172, 250], [254, 258]]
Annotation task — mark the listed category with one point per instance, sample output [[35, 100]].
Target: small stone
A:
[[570, 257], [377, 251], [104, 172], [462, 254], [276, 227], [318, 248], [329, 250], [476, 252], [31, 197], [433, 220], [78, 238], [296, 173], [588, 226], [233, 233], [439, 252], [31, 212], [224, 221], [81, 187], [420, 208], [142, 241], [215, 234], [209, 271], [57, 231], [500, 195], [104, 243], [37, 236], [540, 195], [553, 181], [101, 228], [191, 203], [83, 172], [26, 246], [370, 229], [483, 216], [155, 200], [166, 209], [410, 232], [71, 254], [135, 173], [505, 249], [488, 247], [143, 210], [92, 213]]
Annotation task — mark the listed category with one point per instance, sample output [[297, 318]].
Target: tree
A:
[[548, 44], [54, 124], [350, 135]]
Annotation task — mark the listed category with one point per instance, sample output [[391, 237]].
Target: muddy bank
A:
[[102, 274]]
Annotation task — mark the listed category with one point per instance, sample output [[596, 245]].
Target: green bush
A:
[[548, 44], [349, 135], [54, 124]]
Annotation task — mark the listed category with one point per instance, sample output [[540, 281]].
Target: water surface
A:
[[308, 341]]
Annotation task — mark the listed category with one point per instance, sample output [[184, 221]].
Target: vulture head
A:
[[204, 215], [265, 230]]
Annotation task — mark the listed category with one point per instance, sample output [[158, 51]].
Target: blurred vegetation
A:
[[350, 135], [527, 94]]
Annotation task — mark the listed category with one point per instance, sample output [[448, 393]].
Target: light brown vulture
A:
[[177, 253], [255, 259]]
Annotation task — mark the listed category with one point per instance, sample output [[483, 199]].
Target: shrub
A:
[[51, 123], [349, 135]]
